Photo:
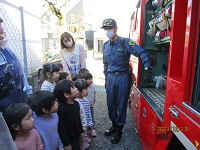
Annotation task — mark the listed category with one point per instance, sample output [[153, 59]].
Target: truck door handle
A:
[[173, 112]]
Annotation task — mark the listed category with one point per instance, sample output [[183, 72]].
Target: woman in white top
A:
[[72, 54]]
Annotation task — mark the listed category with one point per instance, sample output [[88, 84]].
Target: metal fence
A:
[[33, 39]]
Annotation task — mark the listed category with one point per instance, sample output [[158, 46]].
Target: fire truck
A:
[[166, 112]]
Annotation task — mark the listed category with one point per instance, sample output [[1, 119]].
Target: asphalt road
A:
[[130, 140]]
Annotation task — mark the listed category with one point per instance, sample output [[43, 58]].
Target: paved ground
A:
[[130, 139]]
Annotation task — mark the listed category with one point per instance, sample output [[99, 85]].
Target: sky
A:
[[96, 11], [120, 10]]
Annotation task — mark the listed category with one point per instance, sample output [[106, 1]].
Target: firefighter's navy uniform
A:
[[116, 57]]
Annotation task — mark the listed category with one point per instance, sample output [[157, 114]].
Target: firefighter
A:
[[116, 56]]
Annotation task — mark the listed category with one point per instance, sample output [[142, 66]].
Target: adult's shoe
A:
[[117, 136], [110, 131]]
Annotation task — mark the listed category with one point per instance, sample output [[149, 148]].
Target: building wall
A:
[[76, 11], [100, 35]]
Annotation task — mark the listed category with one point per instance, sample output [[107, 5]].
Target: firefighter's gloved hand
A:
[[148, 75]]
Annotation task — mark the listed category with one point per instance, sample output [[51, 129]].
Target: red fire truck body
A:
[[166, 112]]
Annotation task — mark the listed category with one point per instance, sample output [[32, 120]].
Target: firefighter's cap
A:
[[109, 23]]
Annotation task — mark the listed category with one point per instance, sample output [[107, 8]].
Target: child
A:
[[77, 76], [63, 75], [69, 125], [45, 107], [51, 75], [83, 70], [83, 143], [19, 119], [82, 86], [60, 66], [91, 92]]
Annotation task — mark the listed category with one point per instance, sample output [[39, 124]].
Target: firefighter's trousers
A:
[[118, 90]]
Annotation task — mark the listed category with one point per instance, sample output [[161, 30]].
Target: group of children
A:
[[58, 116]]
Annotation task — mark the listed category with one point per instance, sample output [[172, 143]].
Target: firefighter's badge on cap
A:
[[109, 23], [131, 42]]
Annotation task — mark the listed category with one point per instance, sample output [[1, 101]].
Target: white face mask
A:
[[68, 44], [110, 33], [3, 43]]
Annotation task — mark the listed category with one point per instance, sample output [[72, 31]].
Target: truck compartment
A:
[[156, 99], [158, 49]]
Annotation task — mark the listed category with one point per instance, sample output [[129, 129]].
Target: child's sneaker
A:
[[87, 140], [93, 133], [86, 145]]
